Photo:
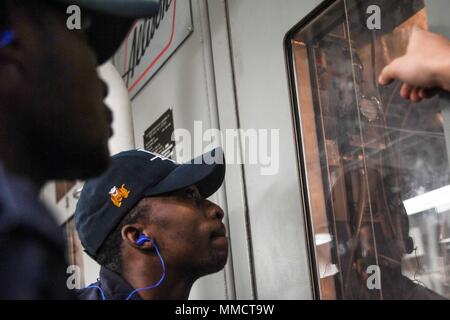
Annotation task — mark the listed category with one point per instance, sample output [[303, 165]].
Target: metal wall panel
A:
[[280, 250]]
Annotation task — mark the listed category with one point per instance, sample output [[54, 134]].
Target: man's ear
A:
[[131, 233]]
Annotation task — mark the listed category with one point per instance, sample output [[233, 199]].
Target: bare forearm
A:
[[423, 69]]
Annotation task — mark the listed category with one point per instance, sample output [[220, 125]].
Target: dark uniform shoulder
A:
[[32, 261]]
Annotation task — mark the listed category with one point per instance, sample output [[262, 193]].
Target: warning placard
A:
[[158, 137]]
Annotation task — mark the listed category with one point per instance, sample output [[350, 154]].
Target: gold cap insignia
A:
[[118, 194]]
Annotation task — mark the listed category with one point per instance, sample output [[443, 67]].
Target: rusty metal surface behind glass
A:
[[374, 163]]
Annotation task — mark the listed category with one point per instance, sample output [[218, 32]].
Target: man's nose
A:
[[214, 211]]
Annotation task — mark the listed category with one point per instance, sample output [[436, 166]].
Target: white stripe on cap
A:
[[157, 156]]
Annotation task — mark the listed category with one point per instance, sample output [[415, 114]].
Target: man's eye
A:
[[191, 194]]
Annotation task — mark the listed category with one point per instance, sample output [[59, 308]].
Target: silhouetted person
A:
[[53, 125]]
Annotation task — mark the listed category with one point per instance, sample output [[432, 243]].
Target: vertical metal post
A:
[[437, 11]]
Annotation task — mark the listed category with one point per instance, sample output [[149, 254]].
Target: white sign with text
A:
[[151, 42]]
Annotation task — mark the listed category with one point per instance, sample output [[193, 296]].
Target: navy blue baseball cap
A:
[[121, 8], [132, 176], [112, 20]]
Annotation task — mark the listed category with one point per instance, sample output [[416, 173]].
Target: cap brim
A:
[[132, 9], [207, 177], [112, 20]]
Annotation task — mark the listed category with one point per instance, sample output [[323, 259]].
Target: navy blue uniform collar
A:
[[113, 285]]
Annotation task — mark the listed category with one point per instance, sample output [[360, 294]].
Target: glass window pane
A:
[[375, 165]]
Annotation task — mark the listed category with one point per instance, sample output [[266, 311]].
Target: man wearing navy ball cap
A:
[[147, 222]]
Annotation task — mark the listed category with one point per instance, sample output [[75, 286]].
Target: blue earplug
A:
[[142, 239], [6, 38]]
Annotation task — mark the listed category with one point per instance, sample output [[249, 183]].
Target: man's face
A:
[[189, 231], [57, 96]]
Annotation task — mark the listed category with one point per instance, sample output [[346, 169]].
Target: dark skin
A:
[[191, 237], [53, 121]]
